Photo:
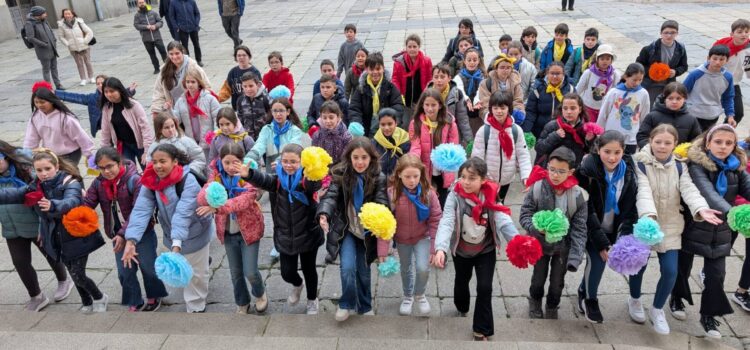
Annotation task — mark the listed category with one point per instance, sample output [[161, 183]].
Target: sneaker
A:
[[581, 298], [312, 307], [406, 304], [92, 80], [341, 314], [635, 309], [535, 308], [592, 312], [86, 309], [63, 289], [152, 306], [711, 327], [677, 309], [369, 313], [550, 312], [742, 299], [423, 305], [242, 309], [83, 82], [261, 304], [101, 304], [37, 303], [294, 297], [659, 321]]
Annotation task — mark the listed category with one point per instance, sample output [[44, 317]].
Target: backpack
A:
[[29, 44], [573, 201], [678, 164], [514, 130], [178, 187]]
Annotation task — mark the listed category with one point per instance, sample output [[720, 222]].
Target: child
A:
[[525, 69], [431, 127], [329, 92], [230, 129], [453, 99], [624, 105], [468, 79], [470, 231], [168, 131], [391, 142], [558, 188], [500, 143], [597, 80], [333, 135], [372, 93], [545, 98], [417, 210], [608, 175], [52, 125], [295, 233], [664, 50], [124, 122], [168, 87], [196, 109], [283, 129], [239, 226], [278, 74], [739, 60], [711, 89], [531, 51], [20, 226], [55, 192], [356, 180], [412, 71], [351, 81], [558, 49], [91, 101], [670, 108], [501, 78], [233, 84], [663, 183], [254, 106], [465, 28], [327, 68], [504, 42], [583, 56], [116, 190], [566, 130], [349, 49], [170, 190], [456, 62]]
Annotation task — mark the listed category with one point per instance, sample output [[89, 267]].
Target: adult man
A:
[[164, 13], [185, 17], [39, 33], [230, 12], [148, 23]]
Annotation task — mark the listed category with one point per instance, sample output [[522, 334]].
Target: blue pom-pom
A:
[[389, 267], [216, 195], [173, 269], [647, 230], [279, 92], [518, 116], [448, 157], [356, 129]]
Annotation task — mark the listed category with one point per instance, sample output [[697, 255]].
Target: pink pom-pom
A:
[[593, 128], [210, 136]]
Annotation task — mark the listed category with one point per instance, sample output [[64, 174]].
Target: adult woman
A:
[[168, 87], [77, 36]]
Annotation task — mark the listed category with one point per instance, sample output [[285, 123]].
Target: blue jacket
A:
[[184, 15], [91, 101], [240, 6], [548, 54], [313, 112], [541, 106]]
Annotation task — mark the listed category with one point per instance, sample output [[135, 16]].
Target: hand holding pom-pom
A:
[[315, 162], [628, 255], [530, 139], [379, 220], [682, 150], [389, 267], [173, 269], [81, 221], [552, 223], [739, 219], [659, 71], [356, 129], [216, 195], [448, 157], [523, 251], [647, 230]]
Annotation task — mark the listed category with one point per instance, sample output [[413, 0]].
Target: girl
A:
[[662, 184], [278, 74], [431, 127], [566, 130], [116, 190], [254, 106], [356, 180], [525, 69], [465, 28], [171, 190], [197, 109], [295, 232], [411, 71], [596, 81], [230, 129], [56, 191], [168, 87], [417, 210], [20, 226], [168, 131], [355, 71], [467, 80], [232, 86], [623, 106], [239, 226], [124, 123], [547, 94], [502, 78], [54, 126], [500, 143], [717, 167], [456, 62], [283, 129], [77, 36], [333, 136], [453, 99], [391, 142], [670, 108], [470, 231], [608, 175], [91, 101]]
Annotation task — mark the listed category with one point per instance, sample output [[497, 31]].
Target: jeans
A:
[[20, 254], [193, 36], [151, 47], [556, 266], [231, 26], [132, 153], [87, 288], [356, 293], [49, 71], [668, 269], [484, 265], [593, 274], [243, 263], [131, 288], [307, 262], [420, 254]]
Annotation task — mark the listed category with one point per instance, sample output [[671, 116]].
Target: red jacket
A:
[[423, 146], [272, 79], [408, 229], [399, 71]]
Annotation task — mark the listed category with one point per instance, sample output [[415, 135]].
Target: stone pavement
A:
[[311, 31]]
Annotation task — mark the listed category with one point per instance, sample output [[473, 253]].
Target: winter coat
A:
[[60, 132], [18, 220], [77, 37], [548, 54], [161, 95], [209, 105], [313, 113], [184, 15], [188, 146], [284, 77], [409, 230], [533, 55], [687, 125], [452, 48], [455, 104], [220, 140], [360, 105], [500, 169], [136, 119], [333, 141], [39, 33], [651, 53], [316, 86], [128, 189], [422, 147], [253, 112], [91, 101], [541, 106], [232, 86], [164, 12], [240, 7], [351, 81], [142, 20], [527, 71], [387, 159], [491, 84], [661, 188], [549, 140], [399, 71], [264, 148]]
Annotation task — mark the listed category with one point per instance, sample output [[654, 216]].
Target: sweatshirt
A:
[[591, 91], [710, 93], [617, 113], [59, 132], [347, 54], [739, 64]]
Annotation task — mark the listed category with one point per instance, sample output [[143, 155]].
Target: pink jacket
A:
[[136, 118], [408, 229], [61, 133], [423, 147]]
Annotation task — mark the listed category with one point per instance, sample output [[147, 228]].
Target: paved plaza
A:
[[307, 32]]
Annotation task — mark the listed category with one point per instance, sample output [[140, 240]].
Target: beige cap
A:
[[605, 49]]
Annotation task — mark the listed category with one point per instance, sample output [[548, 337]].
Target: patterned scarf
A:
[[289, 184], [423, 211]]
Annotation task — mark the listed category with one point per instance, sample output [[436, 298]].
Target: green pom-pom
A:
[[739, 219], [530, 139], [552, 223], [305, 127], [469, 147]]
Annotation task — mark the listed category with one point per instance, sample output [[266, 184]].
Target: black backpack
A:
[[26, 42], [178, 187]]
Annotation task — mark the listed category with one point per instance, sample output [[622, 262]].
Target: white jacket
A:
[[77, 38], [499, 168]]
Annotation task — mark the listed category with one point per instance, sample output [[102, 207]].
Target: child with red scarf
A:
[[197, 109], [470, 230], [566, 130], [739, 60], [355, 71], [411, 72], [596, 81], [555, 187]]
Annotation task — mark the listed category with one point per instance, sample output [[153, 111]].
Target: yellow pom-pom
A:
[[682, 149], [379, 220], [315, 162]]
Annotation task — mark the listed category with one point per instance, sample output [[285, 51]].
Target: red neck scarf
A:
[[413, 66], [489, 190], [570, 130], [539, 173], [506, 143], [33, 197], [192, 102], [152, 181], [110, 186], [356, 70], [729, 42]]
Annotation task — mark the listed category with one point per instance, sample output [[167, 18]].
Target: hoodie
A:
[[687, 126], [283, 77], [709, 93]]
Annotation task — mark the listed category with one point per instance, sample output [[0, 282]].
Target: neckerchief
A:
[[400, 136], [278, 131], [556, 90], [412, 67], [233, 184], [356, 70], [558, 51], [604, 77], [289, 183], [423, 211], [429, 123], [489, 190], [110, 186], [358, 196], [12, 178], [375, 94], [236, 137], [733, 49], [621, 86], [610, 203], [729, 164], [473, 78], [539, 173], [570, 129], [506, 143], [192, 102], [587, 55], [444, 93], [152, 181]]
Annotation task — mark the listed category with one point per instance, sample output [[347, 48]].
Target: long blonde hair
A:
[[409, 161]]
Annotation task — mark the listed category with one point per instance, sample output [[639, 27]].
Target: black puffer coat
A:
[[549, 140], [687, 126]]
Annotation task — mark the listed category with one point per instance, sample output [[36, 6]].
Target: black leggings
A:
[[290, 275], [20, 253], [87, 289]]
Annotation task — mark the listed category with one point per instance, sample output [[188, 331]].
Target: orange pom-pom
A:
[[81, 221], [659, 71]]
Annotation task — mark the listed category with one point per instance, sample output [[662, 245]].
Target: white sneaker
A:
[[294, 297], [423, 305], [635, 308], [312, 307], [406, 304], [35, 304], [63, 289], [86, 309], [659, 320], [341, 314], [93, 81], [101, 304], [83, 82], [369, 313]]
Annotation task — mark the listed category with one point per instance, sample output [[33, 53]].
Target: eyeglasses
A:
[[669, 33], [278, 111], [109, 167], [554, 74], [559, 172]]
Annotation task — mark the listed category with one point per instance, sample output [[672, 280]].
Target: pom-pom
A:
[[81, 221], [530, 139], [356, 129], [209, 136], [173, 269], [311, 132], [379, 220], [41, 84], [523, 251], [389, 267], [305, 126], [280, 91], [682, 150], [448, 157], [628, 255], [92, 169], [216, 195], [659, 71], [552, 223], [593, 128], [518, 116], [647, 230], [469, 147], [251, 163], [315, 162], [739, 219]]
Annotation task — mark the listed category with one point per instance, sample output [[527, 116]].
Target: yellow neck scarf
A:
[[559, 51], [586, 64], [238, 137], [375, 96], [556, 90], [444, 93], [430, 124], [400, 136]]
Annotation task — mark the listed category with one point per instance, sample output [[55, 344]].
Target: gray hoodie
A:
[[710, 94]]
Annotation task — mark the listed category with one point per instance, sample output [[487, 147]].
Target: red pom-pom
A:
[[210, 136], [593, 128], [313, 130], [523, 251], [81, 221], [41, 84], [32, 198]]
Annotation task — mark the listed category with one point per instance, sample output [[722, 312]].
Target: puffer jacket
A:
[[313, 113], [142, 20], [541, 106], [686, 124], [253, 112], [660, 190], [220, 140], [423, 146], [136, 119], [455, 104], [501, 169], [76, 37], [209, 105], [549, 140], [188, 146], [491, 84], [18, 220], [409, 230]]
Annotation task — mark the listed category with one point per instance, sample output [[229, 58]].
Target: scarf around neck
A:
[[278, 131], [610, 203], [431, 125], [570, 129], [729, 164], [474, 80], [605, 77], [358, 196], [539, 173], [506, 143], [489, 190], [621, 86], [356, 70], [375, 94], [399, 137], [556, 90], [733, 49], [233, 184], [152, 181], [110, 186], [236, 137], [414, 66], [289, 184], [423, 211], [588, 55]]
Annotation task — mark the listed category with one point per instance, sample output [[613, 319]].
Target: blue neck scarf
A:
[[12, 178], [289, 183], [610, 203], [231, 183], [278, 131], [729, 164], [474, 80], [423, 211], [359, 193], [621, 86]]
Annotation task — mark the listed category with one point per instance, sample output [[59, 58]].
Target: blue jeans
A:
[[668, 268], [133, 153], [420, 253], [356, 292], [593, 274], [243, 263], [131, 288]]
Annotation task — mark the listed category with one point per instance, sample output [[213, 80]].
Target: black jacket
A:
[[652, 53], [360, 106], [314, 111], [541, 106], [687, 126], [549, 140]]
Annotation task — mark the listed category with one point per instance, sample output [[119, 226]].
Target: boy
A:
[[348, 48], [739, 60], [362, 110], [326, 67], [505, 40], [254, 105], [582, 56], [711, 89], [530, 50], [525, 68], [555, 188], [666, 50], [558, 49], [329, 91]]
